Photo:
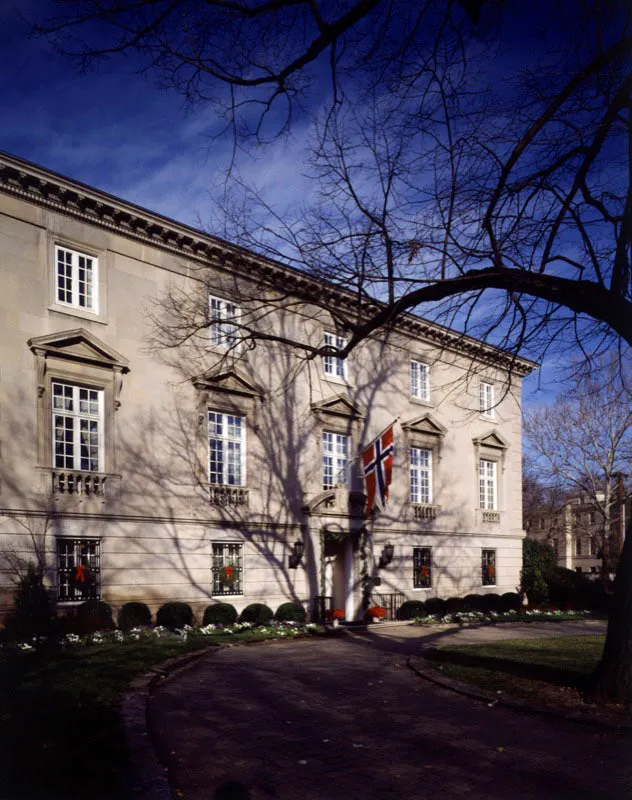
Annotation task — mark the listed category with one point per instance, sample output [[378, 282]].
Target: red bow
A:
[[424, 571], [80, 573]]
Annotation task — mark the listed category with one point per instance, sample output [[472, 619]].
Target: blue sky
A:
[[113, 129]]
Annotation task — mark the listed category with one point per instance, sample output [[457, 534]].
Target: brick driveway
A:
[[338, 719]]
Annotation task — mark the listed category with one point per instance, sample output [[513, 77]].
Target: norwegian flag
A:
[[377, 463]]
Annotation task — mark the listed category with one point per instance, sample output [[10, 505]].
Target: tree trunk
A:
[[614, 673]]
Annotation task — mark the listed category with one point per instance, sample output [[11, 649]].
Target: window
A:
[[227, 568], [419, 381], [333, 366], [77, 427], [78, 569], [591, 517], [420, 476], [227, 449], [335, 459], [488, 564], [578, 570], [422, 568], [76, 279], [578, 547], [224, 319], [487, 484], [486, 400]]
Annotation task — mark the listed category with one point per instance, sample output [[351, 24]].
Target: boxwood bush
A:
[[435, 606], [453, 605], [257, 613], [93, 615], [134, 615], [220, 614], [174, 615], [291, 612], [410, 609], [512, 601]]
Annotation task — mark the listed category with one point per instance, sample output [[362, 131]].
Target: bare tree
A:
[[584, 440]]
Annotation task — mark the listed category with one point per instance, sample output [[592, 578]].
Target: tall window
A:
[[422, 568], [333, 366], [487, 485], [227, 449], [77, 427], [335, 459], [78, 569], [486, 399], [420, 475], [76, 279], [227, 568], [224, 319], [419, 380], [488, 565], [578, 546]]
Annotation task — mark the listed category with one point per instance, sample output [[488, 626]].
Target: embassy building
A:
[[216, 470]]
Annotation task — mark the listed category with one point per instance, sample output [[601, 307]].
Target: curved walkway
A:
[[342, 718]]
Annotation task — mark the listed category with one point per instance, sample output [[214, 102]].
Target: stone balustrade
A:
[[424, 512], [74, 482], [228, 496]]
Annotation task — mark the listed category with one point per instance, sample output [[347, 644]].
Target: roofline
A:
[[44, 187]]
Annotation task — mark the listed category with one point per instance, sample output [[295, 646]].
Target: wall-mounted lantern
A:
[[297, 554], [388, 552]]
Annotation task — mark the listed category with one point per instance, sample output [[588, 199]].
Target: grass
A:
[[551, 671], [61, 737]]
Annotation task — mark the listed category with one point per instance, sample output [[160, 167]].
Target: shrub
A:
[[539, 564], [454, 604], [291, 612], [33, 609], [134, 615], [492, 602], [257, 613], [474, 602], [174, 615], [435, 606], [91, 616], [410, 609], [511, 601], [220, 614]]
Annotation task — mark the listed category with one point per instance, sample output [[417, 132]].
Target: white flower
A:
[[25, 647]]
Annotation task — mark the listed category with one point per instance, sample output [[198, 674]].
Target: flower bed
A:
[[493, 617]]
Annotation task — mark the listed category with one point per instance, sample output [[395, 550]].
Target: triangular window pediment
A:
[[229, 381], [78, 345], [424, 425], [492, 439], [339, 406]]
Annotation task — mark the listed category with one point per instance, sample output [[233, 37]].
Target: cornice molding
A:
[[50, 190]]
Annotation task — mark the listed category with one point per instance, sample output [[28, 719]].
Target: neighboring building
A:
[[129, 478], [575, 531]]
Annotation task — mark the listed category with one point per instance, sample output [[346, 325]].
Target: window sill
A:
[[486, 418], [422, 588], [336, 380], [220, 597], [71, 311], [419, 401]]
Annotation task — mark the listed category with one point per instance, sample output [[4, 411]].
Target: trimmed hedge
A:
[[435, 606], [411, 609], [134, 615], [290, 612], [220, 614], [92, 616], [257, 613], [174, 615], [512, 601]]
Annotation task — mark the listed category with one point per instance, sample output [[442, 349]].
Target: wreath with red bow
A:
[[228, 575], [81, 577]]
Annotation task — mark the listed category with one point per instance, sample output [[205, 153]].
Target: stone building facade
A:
[[230, 473]]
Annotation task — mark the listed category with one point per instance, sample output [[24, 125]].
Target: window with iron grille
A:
[[227, 449], [489, 568], [224, 321], [78, 569], [486, 399], [227, 568], [420, 475], [422, 567], [76, 279], [77, 427], [335, 460], [419, 380], [333, 366]]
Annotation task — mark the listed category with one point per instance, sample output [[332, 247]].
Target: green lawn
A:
[[61, 736], [504, 666]]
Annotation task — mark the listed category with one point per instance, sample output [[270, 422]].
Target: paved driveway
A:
[[339, 718]]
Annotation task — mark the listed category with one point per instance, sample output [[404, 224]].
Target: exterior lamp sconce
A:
[[297, 554], [387, 555]]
